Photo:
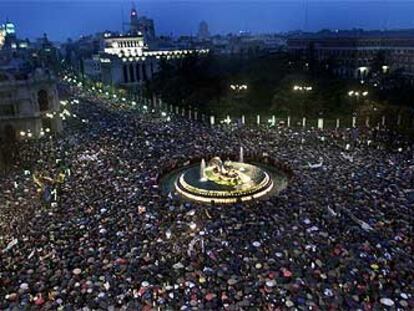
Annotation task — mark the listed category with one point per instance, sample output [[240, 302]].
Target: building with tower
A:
[[134, 21], [203, 33], [126, 60], [141, 25]]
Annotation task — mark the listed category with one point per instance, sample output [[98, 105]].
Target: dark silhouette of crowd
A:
[[84, 221]]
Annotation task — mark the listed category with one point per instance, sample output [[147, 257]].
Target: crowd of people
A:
[[105, 236]]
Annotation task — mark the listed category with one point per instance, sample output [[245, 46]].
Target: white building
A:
[[128, 62]]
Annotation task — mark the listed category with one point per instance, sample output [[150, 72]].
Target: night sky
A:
[[61, 19]]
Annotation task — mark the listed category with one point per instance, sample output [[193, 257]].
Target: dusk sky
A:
[[61, 19]]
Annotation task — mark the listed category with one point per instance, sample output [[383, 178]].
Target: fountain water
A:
[[202, 170], [241, 155]]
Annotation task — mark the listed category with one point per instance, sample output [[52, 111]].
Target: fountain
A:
[[223, 182], [241, 156], [203, 170]]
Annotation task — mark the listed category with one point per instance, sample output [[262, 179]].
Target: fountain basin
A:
[[254, 181]]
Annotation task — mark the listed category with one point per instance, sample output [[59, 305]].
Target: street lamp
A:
[[302, 88], [238, 87], [356, 94]]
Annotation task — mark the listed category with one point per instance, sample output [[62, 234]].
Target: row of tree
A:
[[203, 83]]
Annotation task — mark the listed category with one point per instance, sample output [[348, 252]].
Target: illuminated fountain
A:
[[227, 182], [241, 156], [202, 170]]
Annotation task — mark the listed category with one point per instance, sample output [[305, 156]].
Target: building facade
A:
[[29, 106], [127, 61], [354, 57]]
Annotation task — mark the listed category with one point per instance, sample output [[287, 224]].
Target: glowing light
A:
[[193, 226], [238, 87], [302, 88]]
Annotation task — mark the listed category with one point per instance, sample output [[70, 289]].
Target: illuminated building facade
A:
[[29, 106], [127, 61], [12, 49], [8, 35], [2, 36]]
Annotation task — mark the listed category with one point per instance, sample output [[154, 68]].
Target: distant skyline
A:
[[62, 19]]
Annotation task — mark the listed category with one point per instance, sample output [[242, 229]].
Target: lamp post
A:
[[301, 89], [356, 95], [238, 90]]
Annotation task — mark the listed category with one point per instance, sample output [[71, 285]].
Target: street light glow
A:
[[302, 88], [238, 87], [353, 93]]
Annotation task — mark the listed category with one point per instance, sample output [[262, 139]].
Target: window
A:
[[46, 123], [7, 110], [125, 72], [10, 133], [43, 101], [131, 72]]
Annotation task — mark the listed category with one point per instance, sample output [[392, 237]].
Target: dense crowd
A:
[[105, 237]]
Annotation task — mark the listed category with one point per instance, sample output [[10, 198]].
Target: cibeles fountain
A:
[[212, 180], [218, 181]]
